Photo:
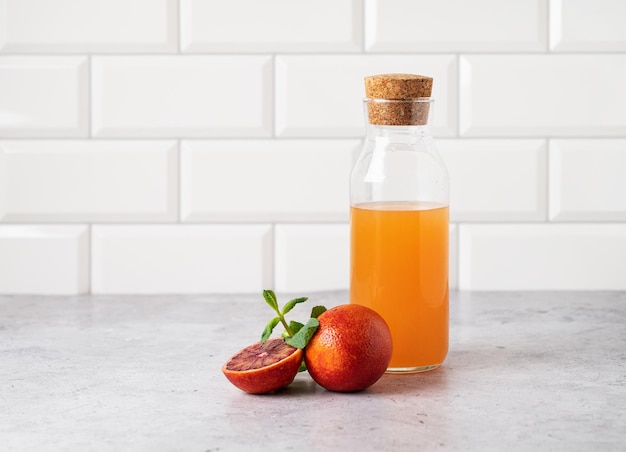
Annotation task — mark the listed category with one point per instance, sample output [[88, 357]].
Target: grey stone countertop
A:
[[543, 371]]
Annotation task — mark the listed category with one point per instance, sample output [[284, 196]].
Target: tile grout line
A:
[[548, 29], [305, 138], [89, 96], [548, 51], [458, 256], [547, 181], [90, 138], [273, 259], [274, 87], [179, 28], [458, 95], [251, 53], [179, 182], [90, 261], [363, 27]]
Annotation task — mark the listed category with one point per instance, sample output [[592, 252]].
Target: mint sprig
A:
[[296, 334]]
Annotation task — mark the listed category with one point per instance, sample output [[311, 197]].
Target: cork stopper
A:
[[397, 99]]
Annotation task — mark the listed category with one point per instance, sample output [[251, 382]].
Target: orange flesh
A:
[[259, 355], [399, 268]]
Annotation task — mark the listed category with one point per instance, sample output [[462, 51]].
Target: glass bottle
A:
[[399, 222]]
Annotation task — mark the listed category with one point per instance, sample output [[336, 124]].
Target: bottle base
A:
[[410, 370]]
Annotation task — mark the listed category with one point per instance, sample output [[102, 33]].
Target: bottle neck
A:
[[398, 134]]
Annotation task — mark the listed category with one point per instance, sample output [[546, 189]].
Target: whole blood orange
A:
[[263, 367], [350, 350]]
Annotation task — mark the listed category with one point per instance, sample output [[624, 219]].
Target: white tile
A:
[[43, 96], [271, 26], [588, 25], [190, 96], [542, 257], [32, 26], [453, 254], [181, 258], [587, 181], [322, 95], [266, 180], [543, 95], [44, 259], [312, 257], [81, 180], [455, 25], [496, 180]]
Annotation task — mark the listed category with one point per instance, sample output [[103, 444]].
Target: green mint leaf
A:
[[295, 326], [317, 311], [270, 298], [304, 335], [267, 332], [290, 304], [302, 367]]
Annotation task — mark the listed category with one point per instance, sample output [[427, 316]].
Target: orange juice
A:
[[399, 268]]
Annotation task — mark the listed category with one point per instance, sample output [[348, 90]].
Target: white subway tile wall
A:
[[44, 259], [515, 192], [189, 146], [181, 258], [455, 26], [542, 256], [73, 26], [181, 96], [44, 96], [271, 26], [587, 25], [89, 180], [282, 180], [545, 95], [588, 180], [311, 257]]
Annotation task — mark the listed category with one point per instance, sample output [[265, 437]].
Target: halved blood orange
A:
[[261, 368]]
